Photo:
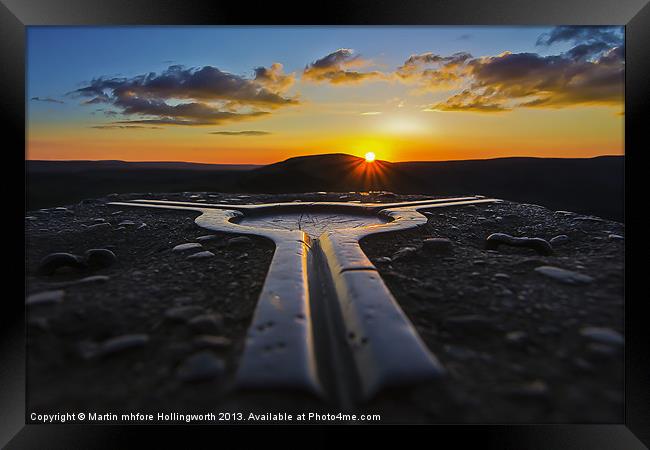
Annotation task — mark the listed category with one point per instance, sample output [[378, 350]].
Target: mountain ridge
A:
[[589, 185]]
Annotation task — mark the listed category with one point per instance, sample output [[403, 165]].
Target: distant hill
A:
[[75, 166], [51, 183], [586, 185], [329, 172]]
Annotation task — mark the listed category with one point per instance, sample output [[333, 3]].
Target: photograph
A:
[[325, 224]]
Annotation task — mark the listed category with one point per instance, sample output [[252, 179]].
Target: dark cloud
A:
[[336, 68], [241, 133], [123, 127], [102, 98], [195, 96], [432, 58], [611, 35], [591, 72], [587, 51], [46, 99]]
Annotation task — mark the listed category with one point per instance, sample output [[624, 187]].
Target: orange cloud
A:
[[335, 69]]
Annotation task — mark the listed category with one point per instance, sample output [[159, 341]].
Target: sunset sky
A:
[[263, 94]]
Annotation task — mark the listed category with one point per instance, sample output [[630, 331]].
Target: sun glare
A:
[[370, 157]]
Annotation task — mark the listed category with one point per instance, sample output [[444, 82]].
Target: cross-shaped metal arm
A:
[[325, 321]]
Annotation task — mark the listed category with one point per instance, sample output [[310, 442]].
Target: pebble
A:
[[603, 335], [183, 313], [541, 246], [200, 367], [563, 275], [239, 241], [502, 276], [437, 245], [54, 261], [187, 246], [616, 237], [116, 213], [121, 343], [212, 341], [141, 226], [516, 337], [98, 226], [207, 237], [100, 257], [126, 223], [560, 239], [91, 279], [201, 255], [405, 252], [207, 323], [85, 280], [383, 260], [45, 298]]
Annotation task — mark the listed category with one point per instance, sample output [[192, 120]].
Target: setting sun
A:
[[370, 157]]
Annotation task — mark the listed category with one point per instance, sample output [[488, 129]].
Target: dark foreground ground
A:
[[518, 346]]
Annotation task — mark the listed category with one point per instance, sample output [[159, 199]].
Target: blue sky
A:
[[60, 58], [359, 94]]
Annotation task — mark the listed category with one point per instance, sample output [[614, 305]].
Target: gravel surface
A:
[[137, 337], [513, 327], [160, 324]]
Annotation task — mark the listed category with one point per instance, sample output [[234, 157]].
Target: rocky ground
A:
[[521, 343], [143, 325]]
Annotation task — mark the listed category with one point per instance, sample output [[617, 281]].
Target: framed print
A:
[[386, 213]]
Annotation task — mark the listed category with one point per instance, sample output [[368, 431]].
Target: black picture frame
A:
[[16, 15]]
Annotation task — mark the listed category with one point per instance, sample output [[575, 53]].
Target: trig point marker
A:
[[325, 321]]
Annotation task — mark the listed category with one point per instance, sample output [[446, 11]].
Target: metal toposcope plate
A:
[[325, 321]]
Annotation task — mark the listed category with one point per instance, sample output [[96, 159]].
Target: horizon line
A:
[[313, 155]]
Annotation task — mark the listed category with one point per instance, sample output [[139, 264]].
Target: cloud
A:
[[274, 78], [589, 73], [371, 113], [430, 71], [123, 127], [612, 35], [335, 68], [241, 133], [47, 99], [469, 101], [194, 96]]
